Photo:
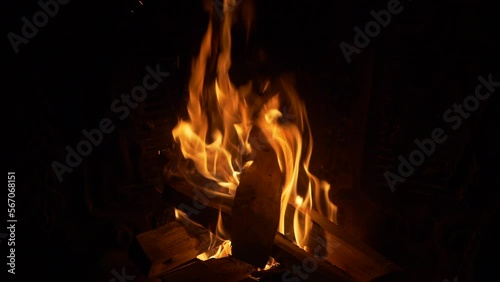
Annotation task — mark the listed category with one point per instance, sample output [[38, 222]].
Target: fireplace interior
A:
[[136, 208]]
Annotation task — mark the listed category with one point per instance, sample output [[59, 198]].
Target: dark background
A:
[[437, 225]]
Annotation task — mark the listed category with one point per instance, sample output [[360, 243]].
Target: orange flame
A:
[[215, 138], [216, 134]]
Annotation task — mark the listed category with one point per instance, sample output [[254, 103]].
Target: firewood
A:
[[189, 193], [304, 265], [256, 209], [212, 270], [346, 252], [172, 245], [351, 255]]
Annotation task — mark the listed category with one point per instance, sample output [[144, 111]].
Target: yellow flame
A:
[[221, 251], [224, 246], [224, 249], [215, 137], [271, 263]]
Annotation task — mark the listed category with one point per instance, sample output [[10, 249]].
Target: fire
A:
[[218, 246], [215, 137]]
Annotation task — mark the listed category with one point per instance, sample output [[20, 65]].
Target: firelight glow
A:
[[215, 137]]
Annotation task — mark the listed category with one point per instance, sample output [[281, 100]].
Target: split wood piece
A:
[[351, 255], [256, 208], [204, 211], [172, 245], [197, 198], [316, 234], [345, 251], [212, 270], [304, 265]]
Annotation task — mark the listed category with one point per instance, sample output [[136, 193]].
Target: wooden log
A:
[[212, 270], [217, 201], [304, 265], [184, 197], [256, 209], [351, 255], [345, 251], [172, 245]]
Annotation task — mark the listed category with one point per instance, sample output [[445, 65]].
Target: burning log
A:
[[256, 210], [212, 270], [181, 193], [358, 260], [305, 265], [192, 201], [351, 255], [221, 117]]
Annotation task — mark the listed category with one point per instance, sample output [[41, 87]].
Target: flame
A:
[[218, 246], [271, 263], [221, 251], [294, 156], [215, 137]]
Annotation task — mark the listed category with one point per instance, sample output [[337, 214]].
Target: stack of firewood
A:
[[251, 218]]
